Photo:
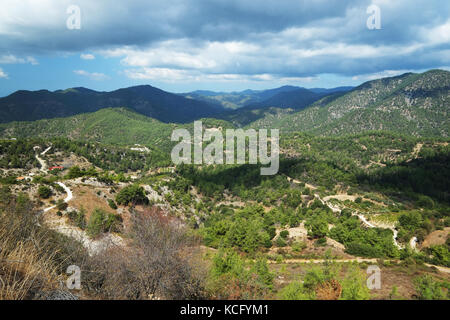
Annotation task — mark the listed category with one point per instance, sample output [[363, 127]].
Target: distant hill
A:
[[298, 98], [236, 100], [118, 126], [413, 104], [410, 104], [147, 100], [331, 90]]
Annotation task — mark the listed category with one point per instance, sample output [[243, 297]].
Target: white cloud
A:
[[224, 40], [182, 75], [91, 75], [378, 75], [437, 35], [3, 74], [259, 60], [87, 56], [11, 59]]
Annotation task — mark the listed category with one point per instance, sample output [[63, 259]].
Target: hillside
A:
[[413, 104], [112, 126], [236, 100], [109, 125], [296, 99], [147, 100]]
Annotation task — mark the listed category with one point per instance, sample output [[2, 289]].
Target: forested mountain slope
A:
[[147, 100], [413, 104]]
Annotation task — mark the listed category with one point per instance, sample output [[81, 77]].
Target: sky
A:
[[220, 45]]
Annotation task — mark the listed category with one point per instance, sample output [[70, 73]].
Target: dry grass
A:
[[87, 198], [24, 273], [32, 258]]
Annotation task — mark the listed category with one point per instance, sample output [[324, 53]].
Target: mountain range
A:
[[147, 100], [292, 96], [410, 104]]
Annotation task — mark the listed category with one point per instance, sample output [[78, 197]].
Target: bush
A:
[[354, 286], [232, 277], [112, 204], [157, 263], [317, 227], [44, 255], [78, 218], [321, 242], [425, 202], [440, 255], [428, 289], [280, 242], [44, 192], [293, 291], [101, 221], [284, 234], [133, 194], [74, 172], [61, 205], [298, 246]]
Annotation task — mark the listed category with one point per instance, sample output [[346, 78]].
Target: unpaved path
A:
[[67, 199], [42, 161], [93, 246], [340, 197], [413, 243], [60, 225], [307, 185], [336, 209]]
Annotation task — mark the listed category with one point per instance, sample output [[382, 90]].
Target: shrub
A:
[[61, 205], [425, 202], [428, 289], [44, 192], [284, 234], [112, 204], [78, 218], [280, 242], [156, 264], [101, 221], [293, 291], [133, 194], [354, 286], [298, 246], [321, 242], [74, 172], [43, 254]]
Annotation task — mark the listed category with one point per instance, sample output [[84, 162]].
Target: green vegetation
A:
[[331, 174], [78, 218], [44, 192], [100, 222], [429, 289], [408, 93], [132, 194], [232, 277]]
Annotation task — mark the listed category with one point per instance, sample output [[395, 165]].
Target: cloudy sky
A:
[[222, 45]]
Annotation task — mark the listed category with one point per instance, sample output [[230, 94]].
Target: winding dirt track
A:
[[361, 217], [93, 246]]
